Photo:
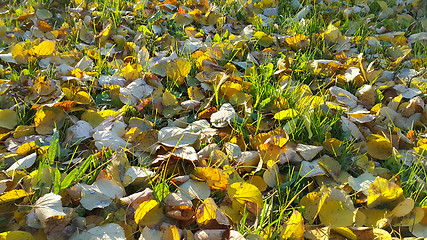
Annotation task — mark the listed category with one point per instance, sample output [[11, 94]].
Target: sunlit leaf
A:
[[44, 49], [294, 227], [286, 114], [148, 213], [47, 119], [384, 192], [178, 69], [379, 147], [243, 193]]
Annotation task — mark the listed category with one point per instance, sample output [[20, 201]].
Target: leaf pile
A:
[[213, 119]]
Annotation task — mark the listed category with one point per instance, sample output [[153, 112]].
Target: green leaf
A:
[[57, 183], [161, 191], [76, 173], [54, 147]]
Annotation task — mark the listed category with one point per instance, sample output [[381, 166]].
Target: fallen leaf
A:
[[100, 194], [148, 213], [111, 231], [379, 147], [8, 118], [384, 192], [215, 178], [242, 193], [47, 119]]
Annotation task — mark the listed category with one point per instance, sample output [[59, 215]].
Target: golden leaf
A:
[[178, 69], [384, 192], [171, 233], [20, 54], [44, 49], [336, 214], [243, 193], [13, 195], [294, 227], [312, 203], [379, 147], [48, 118], [298, 41], [214, 177], [148, 213], [16, 235], [209, 212]]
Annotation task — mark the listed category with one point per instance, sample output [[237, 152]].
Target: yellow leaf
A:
[[169, 99], [178, 69], [233, 214], [332, 33], [336, 214], [264, 40], [413, 217], [20, 54], [312, 203], [312, 101], [77, 73], [294, 227], [379, 147], [381, 234], [270, 151], [384, 192], [44, 49], [229, 89], [403, 208], [258, 182], [271, 175], [214, 177], [346, 232], [48, 118], [92, 117], [13, 195], [132, 72], [27, 148], [286, 114], [334, 146], [16, 235], [331, 166], [281, 103], [243, 193], [171, 233], [82, 97], [298, 41], [8, 118], [372, 217], [208, 212], [44, 86], [148, 213], [146, 139]]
